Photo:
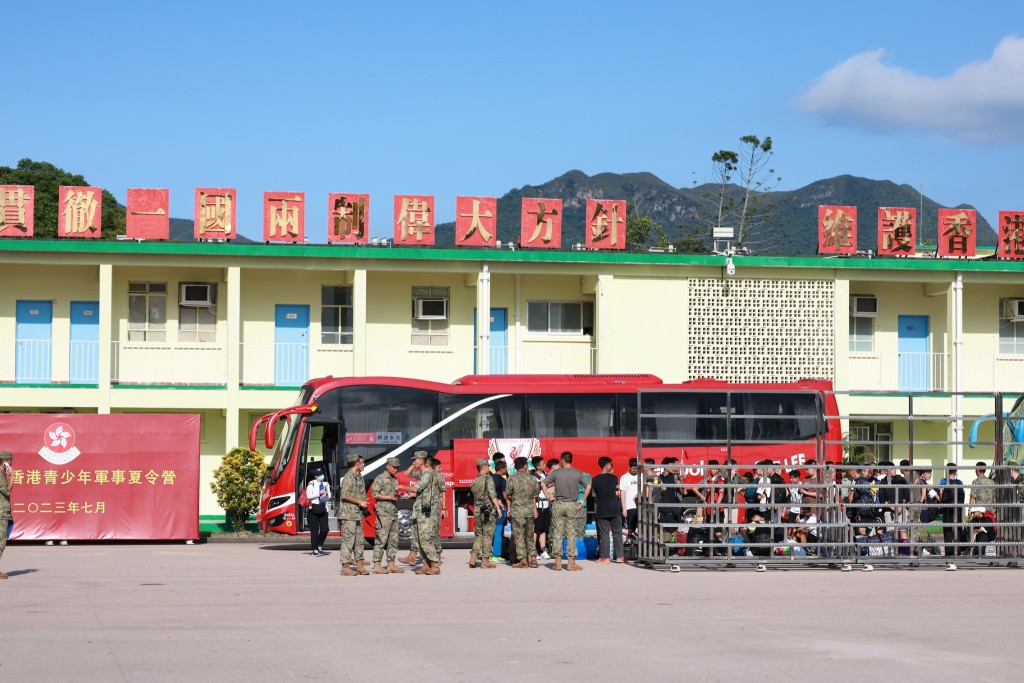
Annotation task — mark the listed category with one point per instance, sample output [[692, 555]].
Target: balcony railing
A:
[[171, 363], [49, 362], [899, 371]]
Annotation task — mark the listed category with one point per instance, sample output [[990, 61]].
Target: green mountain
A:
[[793, 230]]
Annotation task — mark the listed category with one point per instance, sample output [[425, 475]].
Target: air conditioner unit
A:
[[863, 306], [1013, 309], [431, 309], [196, 295]]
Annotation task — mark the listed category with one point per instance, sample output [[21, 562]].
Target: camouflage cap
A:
[[393, 462], [6, 455], [422, 455], [352, 458], [481, 462]]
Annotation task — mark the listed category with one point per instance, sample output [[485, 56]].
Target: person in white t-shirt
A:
[[629, 487]]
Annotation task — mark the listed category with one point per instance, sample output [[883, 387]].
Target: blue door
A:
[[915, 363], [291, 345], [499, 342], [85, 342], [33, 348]]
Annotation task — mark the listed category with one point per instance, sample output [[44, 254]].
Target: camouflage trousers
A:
[[387, 535], [581, 521], [522, 534], [483, 533], [437, 532], [351, 541], [423, 535], [5, 519], [565, 522]]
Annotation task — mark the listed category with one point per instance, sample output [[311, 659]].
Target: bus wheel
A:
[[405, 523]]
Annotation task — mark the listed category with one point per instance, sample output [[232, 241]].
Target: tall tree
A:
[[739, 195], [47, 179], [756, 178], [642, 232]]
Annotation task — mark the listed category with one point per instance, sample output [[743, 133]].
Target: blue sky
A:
[[475, 98]]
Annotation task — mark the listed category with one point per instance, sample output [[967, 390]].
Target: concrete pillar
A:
[[233, 315], [107, 349]]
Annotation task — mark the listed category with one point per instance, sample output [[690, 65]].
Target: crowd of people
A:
[[725, 510], [770, 509]]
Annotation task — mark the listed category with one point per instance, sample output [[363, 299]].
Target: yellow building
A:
[[231, 331]]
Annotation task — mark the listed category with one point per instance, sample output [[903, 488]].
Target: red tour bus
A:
[[479, 415]]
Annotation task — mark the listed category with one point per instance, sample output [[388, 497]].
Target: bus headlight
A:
[[276, 502]]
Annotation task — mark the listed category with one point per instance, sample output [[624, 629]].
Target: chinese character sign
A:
[[541, 223], [414, 219], [348, 217], [837, 229], [284, 216], [216, 213], [958, 232], [606, 224], [1010, 240], [147, 214], [104, 477], [17, 210], [79, 212], [897, 231], [476, 221]]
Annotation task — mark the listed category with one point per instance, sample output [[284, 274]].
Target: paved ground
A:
[[264, 612]]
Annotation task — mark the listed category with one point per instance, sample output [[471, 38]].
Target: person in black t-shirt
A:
[[609, 512]]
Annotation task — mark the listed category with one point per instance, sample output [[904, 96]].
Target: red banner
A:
[[476, 221], [103, 477], [897, 231], [541, 223], [414, 219], [147, 214], [348, 217], [80, 212], [1010, 243], [958, 232], [837, 229], [284, 216], [17, 210], [216, 213], [606, 224]]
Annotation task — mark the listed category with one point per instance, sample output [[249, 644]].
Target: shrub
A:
[[238, 483]]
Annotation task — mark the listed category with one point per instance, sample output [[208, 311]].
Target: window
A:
[[570, 415], [430, 316], [871, 441], [862, 334], [560, 317], [197, 312], [335, 315], [147, 311], [1011, 327], [498, 419]]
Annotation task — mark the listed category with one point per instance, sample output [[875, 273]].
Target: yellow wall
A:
[[23, 283]]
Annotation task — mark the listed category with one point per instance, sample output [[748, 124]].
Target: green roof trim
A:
[[369, 252]]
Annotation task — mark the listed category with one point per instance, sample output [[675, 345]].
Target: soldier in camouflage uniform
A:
[[441, 502], [385, 492], [522, 492], [423, 510], [486, 509], [352, 506], [6, 475]]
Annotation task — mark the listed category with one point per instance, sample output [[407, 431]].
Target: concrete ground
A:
[[266, 612]]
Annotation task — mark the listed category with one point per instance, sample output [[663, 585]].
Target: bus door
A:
[[320, 448]]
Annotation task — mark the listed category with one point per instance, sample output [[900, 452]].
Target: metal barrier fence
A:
[[838, 516]]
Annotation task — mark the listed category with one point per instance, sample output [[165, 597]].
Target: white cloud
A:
[[979, 102]]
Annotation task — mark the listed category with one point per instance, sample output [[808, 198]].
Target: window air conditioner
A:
[[196, 295], [863, 306], [1013, 309], [431, 309]]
